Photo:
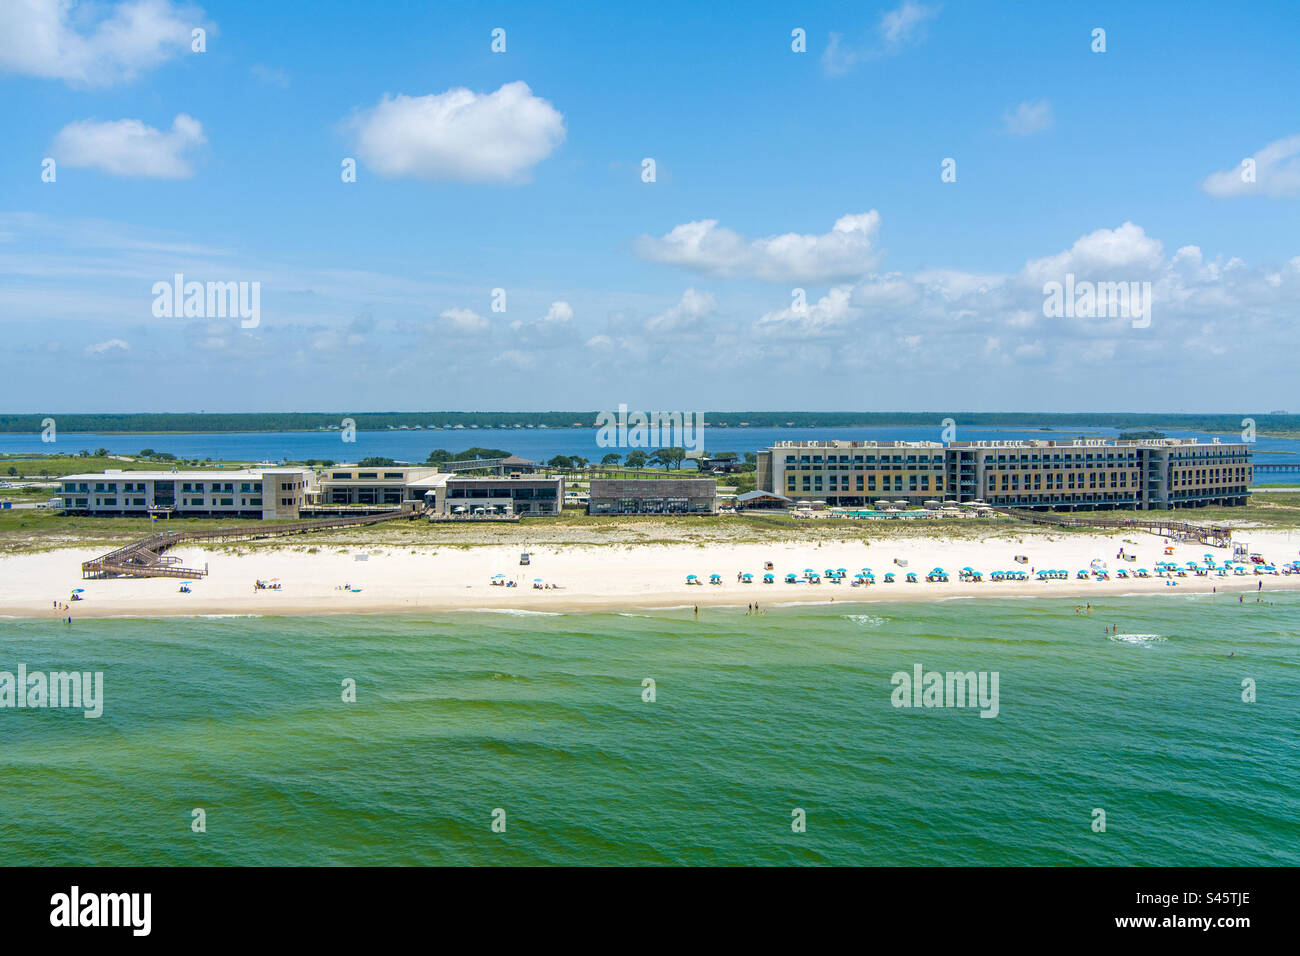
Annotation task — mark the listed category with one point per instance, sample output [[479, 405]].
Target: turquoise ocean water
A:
[[543, 716]]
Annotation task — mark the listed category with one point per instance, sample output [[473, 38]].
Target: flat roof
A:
[[206, 474]]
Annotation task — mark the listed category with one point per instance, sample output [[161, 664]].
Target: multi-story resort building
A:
[[1086, 474], [255, 493], [853, 472]]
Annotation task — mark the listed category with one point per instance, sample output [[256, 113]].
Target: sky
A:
[[674, 205]]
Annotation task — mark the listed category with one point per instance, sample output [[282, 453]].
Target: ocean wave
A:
[[865, 620], [1139, 640], [514, 611]]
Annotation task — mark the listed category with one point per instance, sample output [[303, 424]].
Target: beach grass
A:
[[32, 530]]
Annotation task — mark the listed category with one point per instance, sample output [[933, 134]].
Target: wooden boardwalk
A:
[[147, 558], [1215, 536]]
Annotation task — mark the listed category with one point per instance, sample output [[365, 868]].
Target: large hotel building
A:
[[1085, 474]]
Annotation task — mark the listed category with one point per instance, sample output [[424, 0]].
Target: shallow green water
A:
[[543, 716]]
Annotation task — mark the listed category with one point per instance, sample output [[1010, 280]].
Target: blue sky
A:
[[1122, 166]]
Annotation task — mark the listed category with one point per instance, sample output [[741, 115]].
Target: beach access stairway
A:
[[147, 558], [1215, 536]]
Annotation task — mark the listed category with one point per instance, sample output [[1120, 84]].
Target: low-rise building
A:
[[523, 496], [639, 496], [384, 488]]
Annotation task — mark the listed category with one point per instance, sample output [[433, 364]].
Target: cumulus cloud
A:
[[1126, 253], [932, 321], [831, 311], [1028, 118], [1276, 174], [897, 29], [687, 312], [558, 314], [845, 252], [93, 44], [459, 135], [465, 320], [111, 345], [129, 148]]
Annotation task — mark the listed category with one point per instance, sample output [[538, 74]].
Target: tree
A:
[[560, 463], [13, 470], [375, 462], [579, 461], [670, 457], [612, 458], [636, 459]]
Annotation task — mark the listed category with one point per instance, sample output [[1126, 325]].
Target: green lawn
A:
[[38, 466]]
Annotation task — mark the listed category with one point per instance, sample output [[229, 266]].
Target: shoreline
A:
[[605, 578], [614, 606]]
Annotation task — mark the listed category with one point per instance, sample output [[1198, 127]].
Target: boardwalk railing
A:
[[1216, 536], [146, 558]]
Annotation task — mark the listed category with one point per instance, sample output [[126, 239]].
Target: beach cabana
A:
[[791, 578], [692, 579], [889, 577], [715, 578], [746, 578], [911, 577], [769, 578]]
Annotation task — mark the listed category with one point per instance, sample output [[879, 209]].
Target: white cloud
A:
[[904, 26], [688, 311], [459, 135], [602, 343], [128, 147], [845, 252], [93, 44], [1028, 117], [558, 314], [833, 310], [897, 30], [111, 345], [1125, 253], [465, 320], [1277, 174]]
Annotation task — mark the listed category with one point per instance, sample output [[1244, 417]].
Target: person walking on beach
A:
[[697, 610]]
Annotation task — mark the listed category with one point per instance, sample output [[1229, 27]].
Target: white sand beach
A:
[[403, 580]]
